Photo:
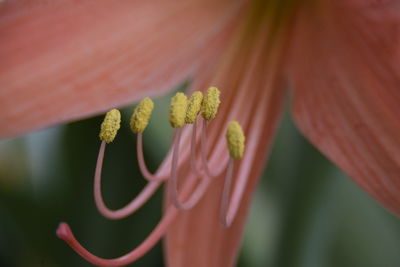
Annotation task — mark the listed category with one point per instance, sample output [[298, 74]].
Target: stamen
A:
[[130, 208], [211, 103], [141, 115], [235, 139], [204, 151], [139, 121], [226, 219], [215, 172], [198, 191], [193, 150], [64, 232], [110, 126], [194, 106], [207, 173], [142, 163], [177, 110]]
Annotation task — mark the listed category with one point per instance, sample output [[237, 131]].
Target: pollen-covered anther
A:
[[141, 115], [211, 103], [177, 110], [110, 126], [194, 106], [235, 139]]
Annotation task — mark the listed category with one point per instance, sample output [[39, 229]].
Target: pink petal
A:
[[345, 72], [63, 60], [197, 238]]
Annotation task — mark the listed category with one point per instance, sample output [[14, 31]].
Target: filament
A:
[[216, 171], [65, 233], [228, 211], [198, 191], [142, 163], [135, 204], [193, 164]]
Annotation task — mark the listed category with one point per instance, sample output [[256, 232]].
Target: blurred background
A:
[[305, 213]]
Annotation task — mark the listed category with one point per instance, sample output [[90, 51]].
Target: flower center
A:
[[183, 111]]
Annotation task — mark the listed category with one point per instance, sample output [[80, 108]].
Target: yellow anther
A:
[[141, 115], [235, 138], [194, 106], [110, 126], [177, 110], [211, 103]]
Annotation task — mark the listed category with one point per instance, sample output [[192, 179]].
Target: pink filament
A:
[[142, 162], [193, 150], [135, 204], [229, 206], [198, 191], [64, 232], [203, 149], [228, 211]]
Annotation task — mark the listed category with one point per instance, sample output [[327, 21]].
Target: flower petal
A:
[[63, 60], [346, 79], [196, 237]]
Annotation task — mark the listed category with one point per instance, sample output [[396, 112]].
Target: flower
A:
[[63, 60]]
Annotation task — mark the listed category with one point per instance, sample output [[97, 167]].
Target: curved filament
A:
[[64, 232], [135, 204], [142, 163]]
